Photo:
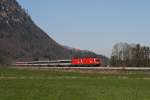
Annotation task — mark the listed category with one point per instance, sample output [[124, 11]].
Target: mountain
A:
[[21, 38]]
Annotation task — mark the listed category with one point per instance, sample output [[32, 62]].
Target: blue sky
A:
[[94, 25]]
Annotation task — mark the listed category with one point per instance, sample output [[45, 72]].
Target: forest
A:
[[130, 55]]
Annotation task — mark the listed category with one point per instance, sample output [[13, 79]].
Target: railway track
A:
[[68, 67]]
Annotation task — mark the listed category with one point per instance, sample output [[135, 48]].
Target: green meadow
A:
[[52, 85]]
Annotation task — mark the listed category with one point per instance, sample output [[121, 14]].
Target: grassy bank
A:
[[49, 85]]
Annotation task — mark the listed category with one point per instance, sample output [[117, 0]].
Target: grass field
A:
[[48, 85]]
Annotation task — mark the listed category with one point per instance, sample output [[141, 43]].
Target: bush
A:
[[4, 59]]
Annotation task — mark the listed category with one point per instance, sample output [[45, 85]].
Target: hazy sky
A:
[[92, 24]]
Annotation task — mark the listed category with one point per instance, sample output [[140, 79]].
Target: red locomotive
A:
[[86, 62]]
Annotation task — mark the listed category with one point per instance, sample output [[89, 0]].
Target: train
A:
[[74, 62]]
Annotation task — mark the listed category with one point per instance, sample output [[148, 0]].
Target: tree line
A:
[[130, 55]]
